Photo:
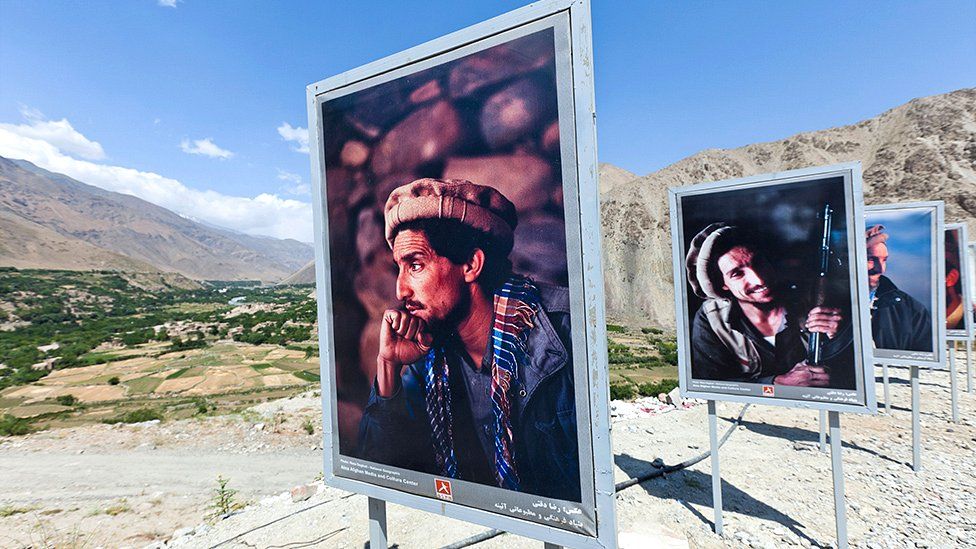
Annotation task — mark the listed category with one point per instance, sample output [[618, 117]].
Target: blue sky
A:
[[195, 94]]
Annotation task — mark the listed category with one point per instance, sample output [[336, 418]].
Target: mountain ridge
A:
[[125, 232], [924, 149]]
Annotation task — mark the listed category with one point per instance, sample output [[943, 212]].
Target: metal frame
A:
[[861, 320], [578, 138], [935, 359], [967, 298]]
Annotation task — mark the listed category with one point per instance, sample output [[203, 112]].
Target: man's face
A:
[[877, 263], [430, 286], [746, 275]]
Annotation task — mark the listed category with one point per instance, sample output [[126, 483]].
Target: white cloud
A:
[[60, 134], [288, 176], [297, 135], [297, 187], [264, 214], [205, 147], [167, 3]]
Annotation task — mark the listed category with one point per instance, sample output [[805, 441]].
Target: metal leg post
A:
[[953, 391], [716, 476], [377, 524], [837, 466], [916, 423], [823, 431], [887, 390], [969, 366]]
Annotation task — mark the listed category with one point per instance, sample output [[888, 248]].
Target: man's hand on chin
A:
[[804, 375], [404, 339]]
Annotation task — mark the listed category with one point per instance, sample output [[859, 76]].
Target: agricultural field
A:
[[643, 361], [81, 347]]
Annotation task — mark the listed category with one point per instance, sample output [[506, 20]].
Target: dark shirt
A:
[[396, 430], [711, 359], [899, 321], [478, 386]]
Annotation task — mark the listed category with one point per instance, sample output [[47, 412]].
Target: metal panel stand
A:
[[377, 524], [823, 431], [837, 466], [716, 476], [916, 423], [887, 391], [952, 383], [969, 366]]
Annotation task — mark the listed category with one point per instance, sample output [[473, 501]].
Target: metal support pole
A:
[[887, 390], [952, 383], [823, 431], [969, 366], [716, 476], [837, 466], [377, 524], [916, 423]]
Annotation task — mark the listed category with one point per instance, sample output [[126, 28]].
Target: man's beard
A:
[[445, 328]]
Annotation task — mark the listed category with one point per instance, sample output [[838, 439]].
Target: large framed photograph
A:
[[770, 282], [460, 299], [958, 299], [906, 274]]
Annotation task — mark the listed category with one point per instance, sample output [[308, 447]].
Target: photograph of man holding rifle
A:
[[754, 324]]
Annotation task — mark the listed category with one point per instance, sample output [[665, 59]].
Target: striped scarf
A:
[[515, 305]]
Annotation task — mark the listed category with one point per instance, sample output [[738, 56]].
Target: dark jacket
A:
[[712, 359], [396, 431], [898, 320]]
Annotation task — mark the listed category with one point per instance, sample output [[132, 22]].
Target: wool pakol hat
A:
[[701, 252], [876, 235], [477, 206]]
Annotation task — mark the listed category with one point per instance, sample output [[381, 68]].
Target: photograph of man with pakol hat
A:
[[901, 249], [765, 290], [751, 327], [452, 223], [474, 377]]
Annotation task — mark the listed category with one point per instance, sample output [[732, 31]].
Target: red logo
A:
[[443, 489], [769, 390]]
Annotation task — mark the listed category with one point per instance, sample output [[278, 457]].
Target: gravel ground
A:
[[776, 484]]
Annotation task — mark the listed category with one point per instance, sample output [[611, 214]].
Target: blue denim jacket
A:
[[395, 431]]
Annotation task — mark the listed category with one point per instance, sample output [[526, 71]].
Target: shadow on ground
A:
[[804, 435], [694, 487]]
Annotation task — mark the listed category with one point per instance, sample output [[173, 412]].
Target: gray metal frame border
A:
[[966, 333], [593, 330], [938, 359], [851, 171]]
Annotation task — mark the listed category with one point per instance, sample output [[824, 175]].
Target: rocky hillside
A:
[[51, 221], [305, 275], [922, 150]]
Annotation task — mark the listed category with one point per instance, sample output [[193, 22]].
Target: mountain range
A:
[[52, 221], [922, 150]]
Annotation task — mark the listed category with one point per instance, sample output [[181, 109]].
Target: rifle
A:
[[815, 343]]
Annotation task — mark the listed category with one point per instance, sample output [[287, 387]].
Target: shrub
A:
[[654, 331], [137, 416], [223, 500], [11, 426], [615, 328], [114, 380], [308, 426], [67, 400], [654, 389], [621, 391]]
